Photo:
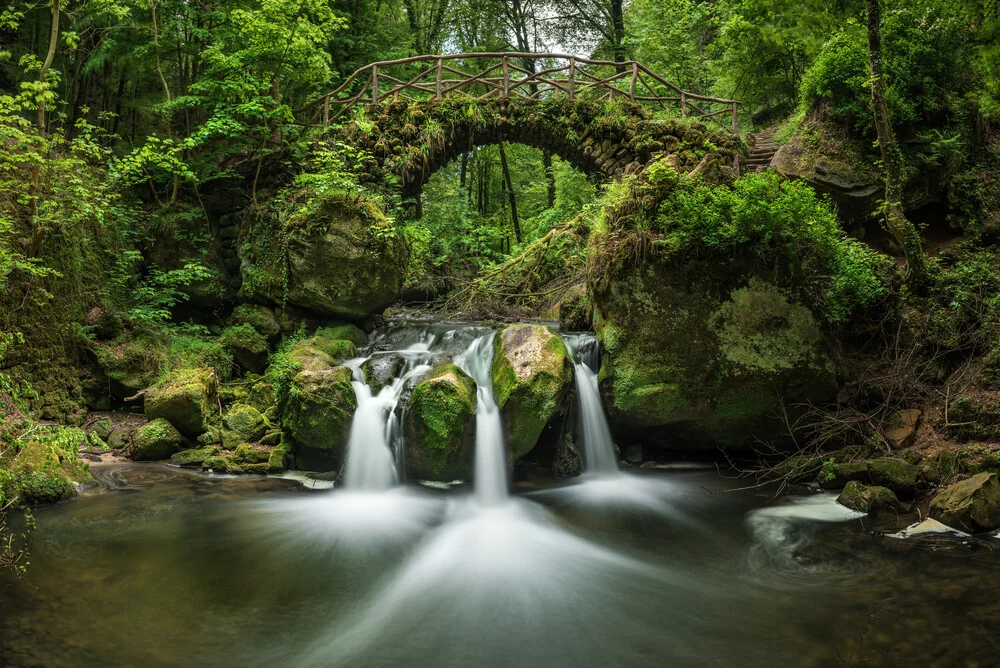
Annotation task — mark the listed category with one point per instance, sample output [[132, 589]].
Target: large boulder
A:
[[340, 256], [242, 423], [261, 318], [155, 440], [865, 498], [186, 398], [382, 369], [531, 374], [972, 504], [317, 415], [248, 346], [46, 471], [441, 425], [704, 352]]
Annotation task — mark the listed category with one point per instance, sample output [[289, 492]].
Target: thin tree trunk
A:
[[550, 177], [166, 91], [510, 194], [38, 237], [902, 229]]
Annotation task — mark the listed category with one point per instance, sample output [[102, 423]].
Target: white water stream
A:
[[598, 448]]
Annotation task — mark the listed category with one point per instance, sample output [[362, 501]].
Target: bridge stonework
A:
[[603, 139]]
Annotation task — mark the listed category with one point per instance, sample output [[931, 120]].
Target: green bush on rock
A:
[[441, 436], [531, 373]]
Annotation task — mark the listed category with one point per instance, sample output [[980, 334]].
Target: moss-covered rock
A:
[[46, 470], [531, 374], [280, 458], [972, 504], [346, 332], [700, 353], [248, 454], [381, 370], [898, 475], [186, 398], [261, 318], [338, 349], [194, 456], [975, 416], [242, 423], [248, 347], [317, 415], [337, 256], [866, 498], [119, 438], [157, 439], [575, 310], [441, 426]]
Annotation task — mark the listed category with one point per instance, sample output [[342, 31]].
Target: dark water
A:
[[165, 568]]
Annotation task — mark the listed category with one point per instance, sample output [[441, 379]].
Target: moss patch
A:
[[441, 425]]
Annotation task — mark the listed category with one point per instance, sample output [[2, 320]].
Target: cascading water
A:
[[491, 459], [598, 448]]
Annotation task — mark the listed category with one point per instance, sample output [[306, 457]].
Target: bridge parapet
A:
[[488, 76]]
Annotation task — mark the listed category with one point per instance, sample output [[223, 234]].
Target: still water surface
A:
[[162, 567]]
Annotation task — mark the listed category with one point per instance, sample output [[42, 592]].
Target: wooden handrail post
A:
[[635, 76], [506, 78], [374, 84], [572, 71], [684, 105], [437, 80]]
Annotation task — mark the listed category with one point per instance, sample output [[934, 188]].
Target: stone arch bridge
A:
[[414, 115]]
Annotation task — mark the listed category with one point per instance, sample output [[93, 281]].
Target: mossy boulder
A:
[[897, 474], [703, 353], [242, 423], [186, 398], [45, 472], [338, 256], [338, 349], [971, 505], [531, 374], [194, 456], [346, 332], [575, 310], [248, 347], [280, 458], [261, 318], [317, 415], [975, 416], [441, 425], [157, 439], [381, 370], [866, 498]]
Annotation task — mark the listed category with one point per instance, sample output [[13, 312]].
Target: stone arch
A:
[[605, 140]]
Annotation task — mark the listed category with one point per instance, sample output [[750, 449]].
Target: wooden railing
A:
[[505, 75]]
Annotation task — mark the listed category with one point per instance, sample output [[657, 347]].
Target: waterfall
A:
[[598, 448], [491, 458]]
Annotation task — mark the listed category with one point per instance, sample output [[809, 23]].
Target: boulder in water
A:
[[972, 504], [381, 370], [185, 399], [317, 413], [441, 425], [866, 498], [44, 472], [157, 439], [531, 374]]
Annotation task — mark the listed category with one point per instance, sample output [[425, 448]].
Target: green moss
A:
[[157, 439], [195, 456], [279, 458], [865, 498], [46, 469], [261, 318], [317, 416], [441, 424], [186, 398], [531, 373], [338, 349], [222, 464], [246, 454], [351, 333], [248, 346], [971, 505], [242, 423]]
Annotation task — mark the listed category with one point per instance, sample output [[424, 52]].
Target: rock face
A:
[[441, 425], [531, 374], [865, 498], [344, 258], [156, 440], [696, 352], [318, 409], [972, 504], [185, 399]]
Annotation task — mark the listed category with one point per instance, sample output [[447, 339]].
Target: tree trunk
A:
[[618, 33], [38, 236], [510, 194], [902, 229], [550, 177]]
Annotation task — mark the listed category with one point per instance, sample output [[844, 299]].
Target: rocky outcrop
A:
[[185, 398], [441, 425], [340, 256], [701, 353], [531, 374], [971, 505]]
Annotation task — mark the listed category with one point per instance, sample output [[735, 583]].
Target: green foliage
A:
[[778, 221], [146, 299], [828, 471]]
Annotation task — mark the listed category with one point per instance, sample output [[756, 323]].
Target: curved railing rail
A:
[[503, 75]]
